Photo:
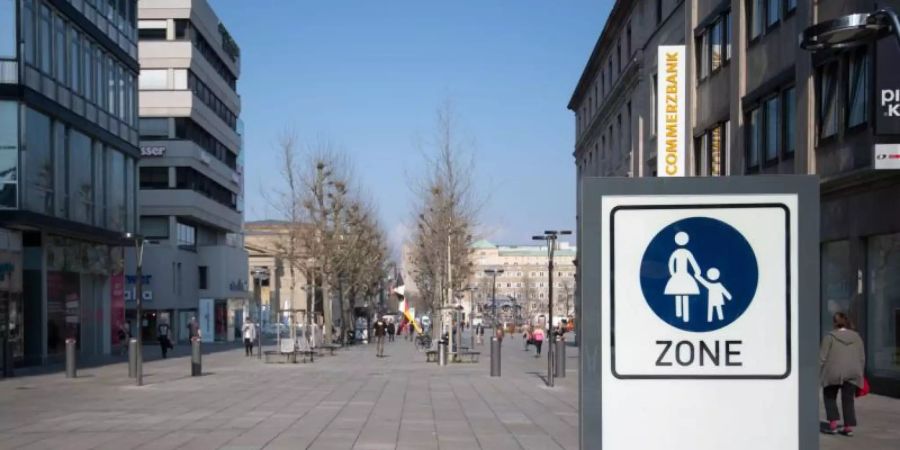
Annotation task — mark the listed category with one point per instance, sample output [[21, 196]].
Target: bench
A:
[[431, 356], [471, 356]]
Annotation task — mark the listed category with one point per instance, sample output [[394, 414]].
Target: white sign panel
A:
[[887, 156], [696, 309], [670, 111]]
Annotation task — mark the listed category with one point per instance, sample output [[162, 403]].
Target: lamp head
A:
[[845, 31]]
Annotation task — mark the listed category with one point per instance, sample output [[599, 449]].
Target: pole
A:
[[259, 318], [494, 301], [450, 288], [551, 243], [139, 311]]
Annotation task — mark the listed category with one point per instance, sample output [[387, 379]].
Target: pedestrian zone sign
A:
[[693, 285]]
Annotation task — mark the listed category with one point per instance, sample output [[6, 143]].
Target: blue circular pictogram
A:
[[699, 274]]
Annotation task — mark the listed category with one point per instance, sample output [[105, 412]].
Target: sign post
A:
[[700, 313]]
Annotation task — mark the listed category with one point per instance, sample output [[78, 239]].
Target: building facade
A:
[[758, 103], [191, 176], [522, 290], [68, 156]]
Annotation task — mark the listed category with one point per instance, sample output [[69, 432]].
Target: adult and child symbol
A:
[[682, 285]]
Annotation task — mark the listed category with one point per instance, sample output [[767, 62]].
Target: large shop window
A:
[[838, 281], [883, 325], [9, 153]]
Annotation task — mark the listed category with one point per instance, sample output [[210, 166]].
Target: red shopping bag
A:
[[864, 390]]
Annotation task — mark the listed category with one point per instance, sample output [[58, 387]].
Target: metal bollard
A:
[[196, 362], [442, 353], [70, 358], [132, 358], [561, 357], [495, 357]]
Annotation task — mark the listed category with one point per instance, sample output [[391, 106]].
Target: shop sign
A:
[[153, 151], [887, 156], [887, 88], [670, 113]]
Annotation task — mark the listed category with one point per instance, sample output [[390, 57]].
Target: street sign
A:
[[701, 298]]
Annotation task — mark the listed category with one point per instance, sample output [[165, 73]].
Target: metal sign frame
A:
[[592, 334]]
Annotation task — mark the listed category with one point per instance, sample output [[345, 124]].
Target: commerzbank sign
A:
[[670, 111]]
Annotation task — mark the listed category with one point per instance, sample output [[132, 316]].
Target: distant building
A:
[[524, 283], [282, 295], [68, 152], [191, 175]]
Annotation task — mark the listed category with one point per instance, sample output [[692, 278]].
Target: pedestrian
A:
[[527, 337], [537, 337], [124, 336], [843, 361], [391, 330], [249, 337], [380, 329], [163, 337], [480, 334]]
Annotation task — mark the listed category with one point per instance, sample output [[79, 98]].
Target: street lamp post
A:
[[259, 274], [550, 238], [138, 241], [851, 30]]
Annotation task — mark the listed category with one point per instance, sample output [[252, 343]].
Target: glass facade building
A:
[[68, 177]]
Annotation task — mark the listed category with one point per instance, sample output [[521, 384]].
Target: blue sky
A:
[[369, 76]]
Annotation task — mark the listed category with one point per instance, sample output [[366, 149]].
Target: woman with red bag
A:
[[843, 360]]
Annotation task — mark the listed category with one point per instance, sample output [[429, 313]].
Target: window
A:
[[154, 127], [699, 146], [716, 158], [857, 87], [726, 35], [202, 277], [117, 180], [99, 77], [772, 129], [715, 43], [827, 99], [883, 304], [59, 49], [756, 18], [44, 34], [619, 55], [154, 177], [754, 129], [37, 159], [153, 79], [790, 121], [152, 30], [185, 128], [9, 153], [628, 41], [181, 76], [653, 101], [773, 12], [87, 67], [27, 28], [702, 44], [75, 61], [186, 235], [110, 85], [120, 82], [659, 8], [81, 186], [182, 28], [790, 6]]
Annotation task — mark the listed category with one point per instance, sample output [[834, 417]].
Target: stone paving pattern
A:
[[351, 400]]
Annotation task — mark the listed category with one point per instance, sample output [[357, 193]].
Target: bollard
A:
[[70, 358], [442, 353], [561, 357], [132, 358], [495, 357], [196, 362]]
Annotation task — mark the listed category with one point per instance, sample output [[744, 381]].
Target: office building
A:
[[68, 152], [757, 103], [191, 180]]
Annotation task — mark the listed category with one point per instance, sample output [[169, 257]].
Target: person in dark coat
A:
[[391, 331], [843, 361], [380, 329]]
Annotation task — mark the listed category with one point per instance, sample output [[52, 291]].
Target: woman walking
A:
[[537, 338], [843, 361]]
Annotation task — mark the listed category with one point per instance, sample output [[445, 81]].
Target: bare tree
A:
[[446, 215]]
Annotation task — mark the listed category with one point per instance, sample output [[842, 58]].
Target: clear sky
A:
[[369, 76]]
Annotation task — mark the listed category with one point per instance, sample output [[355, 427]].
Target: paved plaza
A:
[[350, 400]]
